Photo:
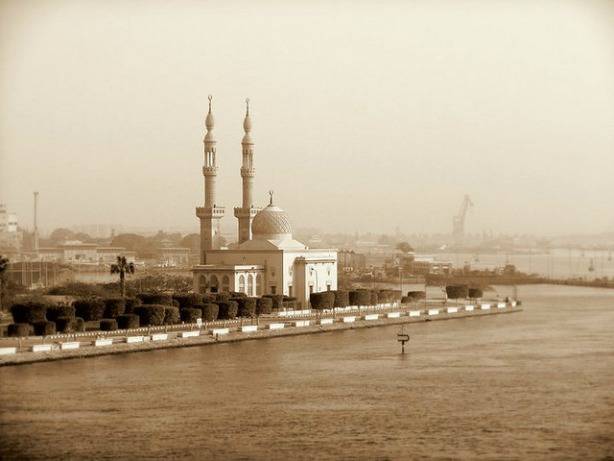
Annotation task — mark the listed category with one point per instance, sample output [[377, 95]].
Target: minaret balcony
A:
[[246, 212], [248, 172], [215, 213], [209, 170]]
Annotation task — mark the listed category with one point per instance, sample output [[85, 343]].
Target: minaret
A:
[[210, 212], [245, 214]]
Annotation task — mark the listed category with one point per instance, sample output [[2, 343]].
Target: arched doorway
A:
[[241, 283], [225, 284], [214, 284]]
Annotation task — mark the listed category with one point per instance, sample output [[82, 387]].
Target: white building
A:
[[267, 260]]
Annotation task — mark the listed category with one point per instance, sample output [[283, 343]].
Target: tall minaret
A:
[[210, 212], [245, 214]]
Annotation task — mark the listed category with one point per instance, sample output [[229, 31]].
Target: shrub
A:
[[55, 312], [18, 330], [342, 298], [360, 298], [114, 307], [44, 328], [188, 299], [416, 295], [210, 311], [456, 291], [220, 297], [475, 293], [131, 304], [374, 297], [65, 324], [171, 315], [322, 300], [191, 314], [264, 306], [89, 308], [108, 324], [247, 307], [79, 324], [127, 321], [29, 312], [289, 302], [278, 301], [228, 310], [156, 298], [150, 314], [237, 294]]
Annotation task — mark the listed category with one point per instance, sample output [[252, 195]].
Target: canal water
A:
[[530, 385]]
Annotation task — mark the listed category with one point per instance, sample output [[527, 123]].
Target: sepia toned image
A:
[[265, 230]]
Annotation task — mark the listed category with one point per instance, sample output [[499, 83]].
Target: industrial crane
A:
[[458, 221]]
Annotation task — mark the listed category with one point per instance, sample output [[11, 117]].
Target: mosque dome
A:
[[271, 223]]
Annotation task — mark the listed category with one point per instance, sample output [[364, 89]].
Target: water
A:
[[532, 385], [558, 263]]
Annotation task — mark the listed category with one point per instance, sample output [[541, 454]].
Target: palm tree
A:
[[122, 267], [4, 266]]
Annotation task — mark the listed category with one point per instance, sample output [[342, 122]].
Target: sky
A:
[[367, 116]]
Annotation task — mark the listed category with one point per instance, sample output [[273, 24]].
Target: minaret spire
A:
[[209, 212], [247, 211]]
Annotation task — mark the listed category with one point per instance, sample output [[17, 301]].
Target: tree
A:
[[4, 266], [122, 267], [404, 247]]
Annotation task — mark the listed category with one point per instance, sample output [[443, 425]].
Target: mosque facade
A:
[[266, 258]]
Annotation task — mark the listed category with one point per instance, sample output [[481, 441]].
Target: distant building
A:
[[10, 236], [174, 256], [76, 252], [350, 261]]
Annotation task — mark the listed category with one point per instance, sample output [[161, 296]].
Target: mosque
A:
[[266, 259]]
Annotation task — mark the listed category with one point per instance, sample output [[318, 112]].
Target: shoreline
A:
[[205, 338]]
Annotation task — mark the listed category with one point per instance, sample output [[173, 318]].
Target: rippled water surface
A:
[[531, 385]]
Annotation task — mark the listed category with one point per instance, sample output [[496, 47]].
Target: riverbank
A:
[[144, 340]]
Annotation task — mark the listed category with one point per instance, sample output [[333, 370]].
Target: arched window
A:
[[202, 284], [250, 285], [259, 285], [241, 283], [214, 283], [225, 283]]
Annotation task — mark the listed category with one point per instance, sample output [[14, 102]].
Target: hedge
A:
[[342, 298], [457, 291], [237, 294], [18, 330], [79, 324], [247, 307], [150, 314], [374, 297], [156, 298], [131, 303], [29, 312], [289, 302], [210, 311], [114, 307], [322, 300], [221, 297], [89, 308], [127, 321], [108, 324], [191, 314], [475, 293], [227, 310], [55, 312], [360, 298], [187, 299], [278, 301], [65, 324], [44, 328], [264, 306], [416, 295], [171, 315]]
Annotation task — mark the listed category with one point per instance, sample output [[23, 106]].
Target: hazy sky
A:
[[367, 115]]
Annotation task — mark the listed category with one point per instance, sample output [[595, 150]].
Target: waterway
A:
[[530, 385]]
